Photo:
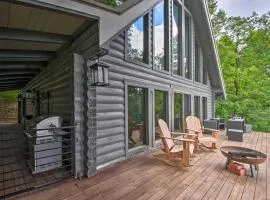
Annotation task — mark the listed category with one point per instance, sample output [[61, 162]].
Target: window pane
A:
[[178, 112], [187, 104], [187, 46], [205, 74], [159, 21], [197, 62], [161, 106], [135, 39], [176, 35], [136, 116], [197, 106], [204, 108]]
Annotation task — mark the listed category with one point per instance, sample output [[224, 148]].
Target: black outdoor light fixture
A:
[[99, 70]]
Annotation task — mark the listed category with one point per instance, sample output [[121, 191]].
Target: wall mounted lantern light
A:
[[99, 70]]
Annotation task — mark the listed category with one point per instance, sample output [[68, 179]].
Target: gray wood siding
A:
[[67, 81], [111, 135], [56, 79], [110, 112]]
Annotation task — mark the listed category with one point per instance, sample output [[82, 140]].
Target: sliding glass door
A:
[[204, 108], [137, 116], [161, 109], [197, 107], [178, 112]]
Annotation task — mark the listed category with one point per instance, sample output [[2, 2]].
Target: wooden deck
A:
[[144, 177]]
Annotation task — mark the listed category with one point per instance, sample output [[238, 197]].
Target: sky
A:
[[137, 30], [244, 7]]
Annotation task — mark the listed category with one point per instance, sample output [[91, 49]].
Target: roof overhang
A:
[[111, 20], [204, 29], [30, 37]]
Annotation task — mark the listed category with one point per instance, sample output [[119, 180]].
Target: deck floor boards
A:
[[145, 177]]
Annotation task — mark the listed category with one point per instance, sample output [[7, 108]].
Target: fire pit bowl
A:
[[243, 155]]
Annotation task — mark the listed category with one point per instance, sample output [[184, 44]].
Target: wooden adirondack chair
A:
[[175, 154], [194, 126]]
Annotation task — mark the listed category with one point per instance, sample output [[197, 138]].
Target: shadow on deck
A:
[[144, 177]]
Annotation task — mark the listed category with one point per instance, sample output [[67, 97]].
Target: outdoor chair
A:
[[194, 126], [175, 154]]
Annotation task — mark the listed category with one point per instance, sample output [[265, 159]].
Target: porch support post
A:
[[79, 116], [91, 135]]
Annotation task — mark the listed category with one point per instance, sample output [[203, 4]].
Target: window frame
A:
[[133, 151], [199, 106], [167, 67], [180, 38], [204, 108], [173, 110], [190, 51], [190, 105], [146, 46], [157, 142], [198, 62], [205, 74]]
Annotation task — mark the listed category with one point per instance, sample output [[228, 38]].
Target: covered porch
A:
[[39, 46], [145, 177]]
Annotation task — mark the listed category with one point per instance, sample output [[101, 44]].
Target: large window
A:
[[159, 36], [204, 108], [205, 74], [187, 58], [178, 112], [176, 38], [197, 106], [197, 62], [187, 105], [137, 116], [136, 40], [161, 109]]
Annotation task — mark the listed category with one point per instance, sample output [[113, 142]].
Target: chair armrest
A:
[[176, 133], [182, 139], [186, 140], [210, 129], [184, 134], [196, 131]]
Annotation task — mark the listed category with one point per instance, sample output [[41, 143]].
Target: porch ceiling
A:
[[30, 37]]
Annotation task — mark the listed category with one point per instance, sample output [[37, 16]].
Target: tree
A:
[[244, 49], [218, 18]]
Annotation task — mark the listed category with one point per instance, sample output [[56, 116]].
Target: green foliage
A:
[[111, 2], [8, 95], [244, 49]]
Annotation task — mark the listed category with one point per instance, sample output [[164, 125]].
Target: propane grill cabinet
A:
[[45, 145]]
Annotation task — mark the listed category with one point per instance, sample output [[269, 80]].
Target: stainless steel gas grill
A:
[[46, 145]]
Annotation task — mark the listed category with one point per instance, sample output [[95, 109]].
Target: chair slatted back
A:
[[165, 132], [194, 123]]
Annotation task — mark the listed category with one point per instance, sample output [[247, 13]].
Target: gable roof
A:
[[200, 13]]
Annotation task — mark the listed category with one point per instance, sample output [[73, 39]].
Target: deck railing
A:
[[31, 160]]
